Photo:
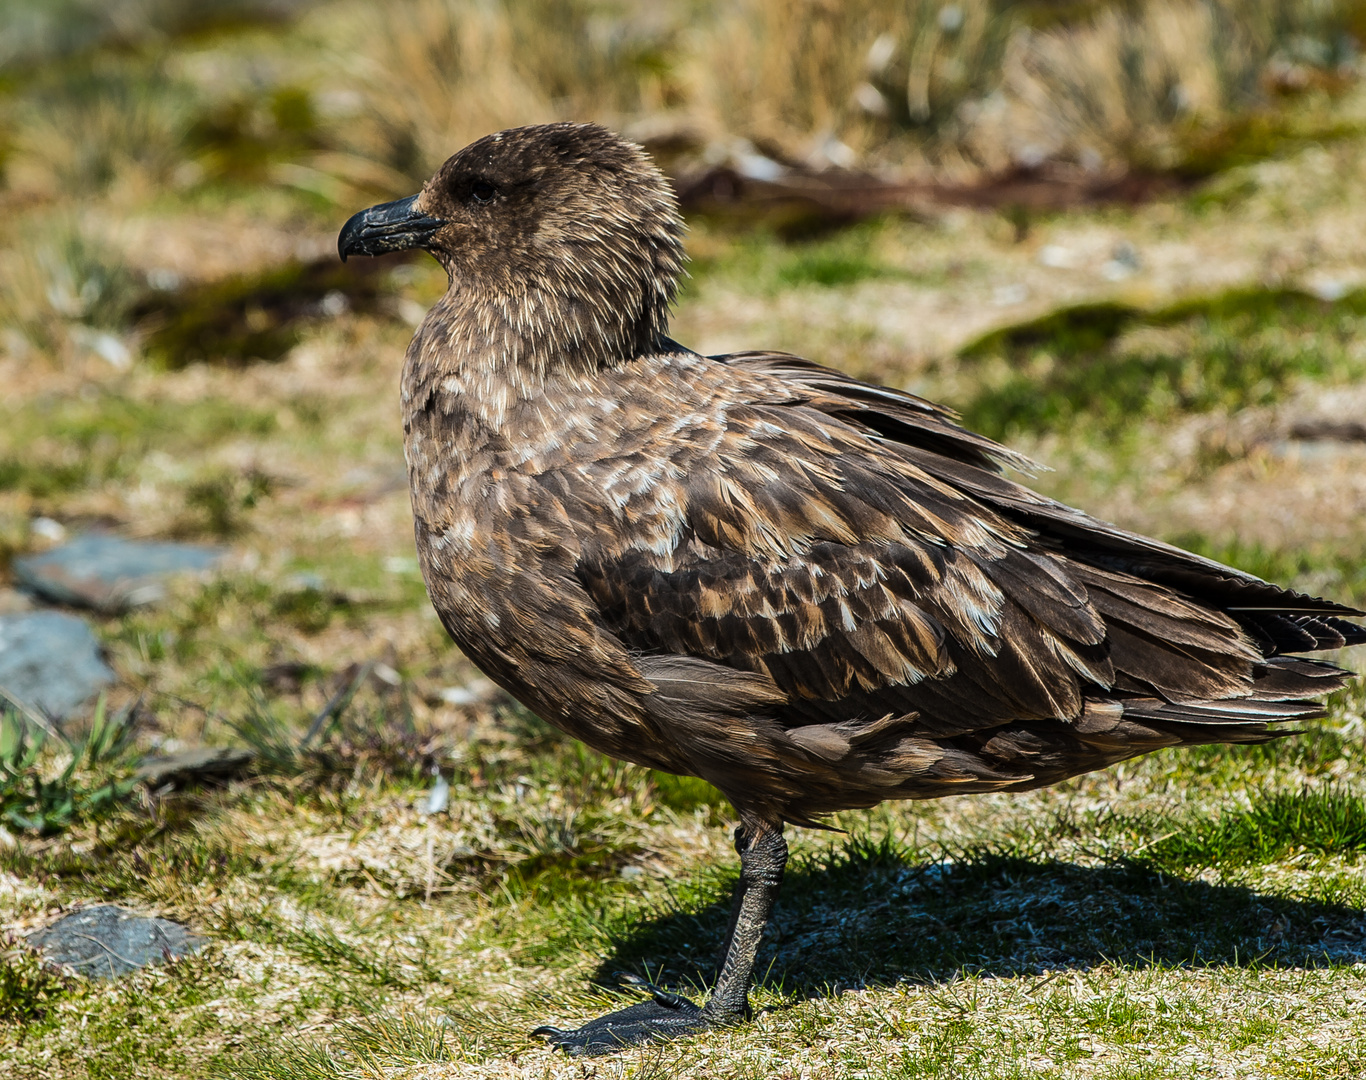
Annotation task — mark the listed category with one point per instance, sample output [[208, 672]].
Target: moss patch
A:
[[1085, 364], [258, 316]]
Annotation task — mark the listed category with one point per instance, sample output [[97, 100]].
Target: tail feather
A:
[[1283, 678], [1282, 631], [1238, 711]]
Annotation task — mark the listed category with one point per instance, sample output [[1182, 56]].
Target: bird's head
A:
[[560, 240]]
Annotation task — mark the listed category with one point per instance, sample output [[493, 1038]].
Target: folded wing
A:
[[860, 553]]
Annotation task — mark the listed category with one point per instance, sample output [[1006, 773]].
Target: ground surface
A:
[[1195, 914]]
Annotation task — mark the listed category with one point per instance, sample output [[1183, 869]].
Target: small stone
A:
[[163, 280], [106, 941], [334, 303], [201, 763], [439, 797], [951, 19], [880, 54], [387, 675], [1329, 290], [472, 694], [50, 662], [108, 573], [1057, 257], [307, 581], [1124, 262], [869, 98], [52, 531], [1008, 295], [109, 348]]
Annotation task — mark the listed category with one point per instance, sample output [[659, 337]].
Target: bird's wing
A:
[[840, 554], [1280, 620]]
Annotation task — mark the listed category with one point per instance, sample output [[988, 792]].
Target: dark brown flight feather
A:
[[813, 592]]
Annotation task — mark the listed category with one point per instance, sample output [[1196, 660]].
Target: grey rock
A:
[[203, 763], [108, 573], [50, 662], [106, 941]]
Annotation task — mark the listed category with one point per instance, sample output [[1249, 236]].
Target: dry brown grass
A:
[[956, 89], [383, 94], [436, 74], [1139, 86]]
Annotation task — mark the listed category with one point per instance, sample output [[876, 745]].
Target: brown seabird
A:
[[814, 592]]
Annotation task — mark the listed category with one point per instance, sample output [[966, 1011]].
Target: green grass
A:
[[889, 913], [60, 445], [1229, 352], [1319, 570], [763, 262], [29, 984], [94, 779], [42, 30], [253, 317], [1276, 826], [362, 1048]]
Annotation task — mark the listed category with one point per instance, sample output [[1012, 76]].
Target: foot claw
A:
[[666, 998]]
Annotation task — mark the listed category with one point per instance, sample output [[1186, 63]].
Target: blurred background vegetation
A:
[[972, 199], [308, 108]]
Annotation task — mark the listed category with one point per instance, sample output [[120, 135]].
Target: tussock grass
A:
[[56, 279], [108, 120], [1158, 85], [440, 73], [95, 777], [38, 30], [963, 90]]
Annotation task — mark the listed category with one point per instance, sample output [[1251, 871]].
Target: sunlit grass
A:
[[914, 900], [61, 445]]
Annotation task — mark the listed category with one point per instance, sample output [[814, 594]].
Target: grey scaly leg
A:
[[763, 855]]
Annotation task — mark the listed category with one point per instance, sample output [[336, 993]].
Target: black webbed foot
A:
[[669, 1016], [664, 1016]]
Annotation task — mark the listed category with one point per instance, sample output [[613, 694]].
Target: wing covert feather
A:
[[851, 577]]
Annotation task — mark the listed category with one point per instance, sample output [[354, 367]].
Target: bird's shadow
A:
[[871, 916]]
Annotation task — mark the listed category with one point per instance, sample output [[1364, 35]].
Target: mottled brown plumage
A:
[[813, 592]]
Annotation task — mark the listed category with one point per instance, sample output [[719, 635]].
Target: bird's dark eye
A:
[[481, 191]]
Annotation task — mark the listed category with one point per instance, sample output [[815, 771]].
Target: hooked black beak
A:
[[391, 226]]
